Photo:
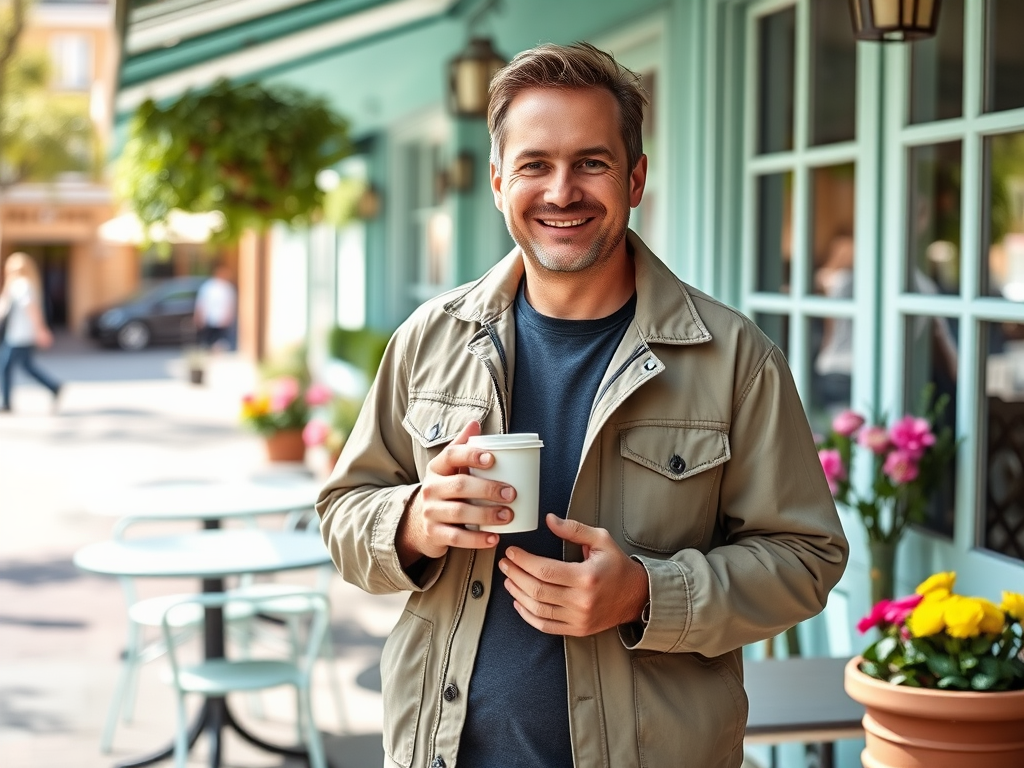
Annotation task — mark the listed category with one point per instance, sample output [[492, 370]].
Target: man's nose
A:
[[563, 188]]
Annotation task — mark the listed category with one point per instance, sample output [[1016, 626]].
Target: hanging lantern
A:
[[469, 76], [894, 20]]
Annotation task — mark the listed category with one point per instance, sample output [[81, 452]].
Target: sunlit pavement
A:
[[129, 418]]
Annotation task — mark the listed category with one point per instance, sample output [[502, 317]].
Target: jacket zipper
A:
[[637, 353], [502, 400]]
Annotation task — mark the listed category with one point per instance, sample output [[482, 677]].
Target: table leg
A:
[[193, 734]]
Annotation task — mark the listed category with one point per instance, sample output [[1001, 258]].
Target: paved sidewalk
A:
[[126, 419]]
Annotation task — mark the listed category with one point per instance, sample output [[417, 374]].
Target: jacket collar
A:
[[665, 312]]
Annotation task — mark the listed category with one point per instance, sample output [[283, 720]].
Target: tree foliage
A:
[[248, 151]]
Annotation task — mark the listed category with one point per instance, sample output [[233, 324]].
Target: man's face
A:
[[565, 186]]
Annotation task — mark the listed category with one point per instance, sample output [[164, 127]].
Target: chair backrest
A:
[[318, 626]]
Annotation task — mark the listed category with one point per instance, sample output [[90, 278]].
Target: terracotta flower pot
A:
[[910, 727], [285, 445]]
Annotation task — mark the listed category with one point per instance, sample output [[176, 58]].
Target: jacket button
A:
[[650, 365], [451, 692], [477, 590], [438, 762], [676, 464], [435, 432]]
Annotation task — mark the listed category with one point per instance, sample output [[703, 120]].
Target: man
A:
[[687, 511], [215, 309]]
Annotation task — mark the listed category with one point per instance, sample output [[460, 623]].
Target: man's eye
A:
[[534, 166], [594, 165]]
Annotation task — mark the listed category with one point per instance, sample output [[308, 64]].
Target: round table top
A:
[[205, 554], [203, 500]]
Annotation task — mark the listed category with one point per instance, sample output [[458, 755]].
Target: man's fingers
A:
[[575, 531], [543, 568], [446, 462], [533, 589]]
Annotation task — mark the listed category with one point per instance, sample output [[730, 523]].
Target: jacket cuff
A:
[[425, 572], [669, 591]]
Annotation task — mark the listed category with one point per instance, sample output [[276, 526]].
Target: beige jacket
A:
[[698, 460]]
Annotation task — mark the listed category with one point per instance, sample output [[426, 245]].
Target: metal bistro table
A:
[[210, 555]]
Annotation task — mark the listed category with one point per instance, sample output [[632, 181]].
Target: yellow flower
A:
[[941, 583], [963, 616], [253, 407], [993, 620], [1013, 604], [929, 618]]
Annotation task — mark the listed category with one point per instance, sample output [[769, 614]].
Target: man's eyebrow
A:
[[539, 154]]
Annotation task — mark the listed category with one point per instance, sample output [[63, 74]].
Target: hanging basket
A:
[[907, 727], [285, 445]]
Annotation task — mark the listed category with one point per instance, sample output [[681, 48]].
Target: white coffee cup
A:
[[517, 463]]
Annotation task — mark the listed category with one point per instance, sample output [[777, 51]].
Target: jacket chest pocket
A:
[[434, 420], [670, 477]]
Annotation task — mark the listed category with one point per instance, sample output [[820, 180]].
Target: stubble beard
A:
[[585, 257]]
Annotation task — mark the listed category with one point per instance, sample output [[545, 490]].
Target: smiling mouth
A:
[[563, 224]]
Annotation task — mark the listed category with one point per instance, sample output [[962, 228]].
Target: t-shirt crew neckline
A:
[[565, 327]]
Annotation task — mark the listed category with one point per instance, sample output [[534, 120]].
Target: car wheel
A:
[[133, 335]]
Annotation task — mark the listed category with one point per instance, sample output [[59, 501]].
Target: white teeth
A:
[[574, 223]]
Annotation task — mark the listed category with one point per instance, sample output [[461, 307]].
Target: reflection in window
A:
[[937, 68], [833, 190], [1004, 55], [774, 228], [831, 340], [1003, 481], [933, 254], [932, 345], [776, 328], [833, 73], [1004, 216], [777, 34]]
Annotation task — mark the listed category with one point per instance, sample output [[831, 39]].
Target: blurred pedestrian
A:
[[24, 326], [215, 309]]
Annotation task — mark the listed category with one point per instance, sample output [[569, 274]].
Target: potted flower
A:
[[944, 682], [279, 412], [909, 459], [332, 430]]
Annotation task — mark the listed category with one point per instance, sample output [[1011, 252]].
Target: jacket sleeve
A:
[[783, 544], [363, 501]]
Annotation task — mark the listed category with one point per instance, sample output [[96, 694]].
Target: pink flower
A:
[[318, 394], [283, 391], [913, 435], [875, 617], [896, 611], [901, 467], [875, 439], [832, 465], [847, 422], [315, 432]]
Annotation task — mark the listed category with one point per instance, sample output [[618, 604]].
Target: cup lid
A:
[[507, 441]]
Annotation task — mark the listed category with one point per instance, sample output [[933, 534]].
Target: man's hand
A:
[[436, 518], [578, 599]]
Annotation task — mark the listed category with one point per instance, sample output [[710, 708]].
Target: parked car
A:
[[159, 315]]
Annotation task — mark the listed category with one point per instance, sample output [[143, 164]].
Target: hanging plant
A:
[[248, 151]]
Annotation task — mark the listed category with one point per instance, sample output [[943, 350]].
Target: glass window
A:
[[834, 191], [1003, 271], [833, 73], [1004, 55], [933, 256], [776, 328], [1003, 449], [72, 62], [937, 68], [831, 340], [932, 351], [775, 212], [777, 34]]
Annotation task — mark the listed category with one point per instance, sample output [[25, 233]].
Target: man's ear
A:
[[637, 182], [496, 181]]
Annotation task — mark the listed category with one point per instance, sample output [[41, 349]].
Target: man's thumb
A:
[[572, 530]]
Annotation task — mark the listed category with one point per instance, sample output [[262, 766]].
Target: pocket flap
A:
[[675, 451], [435, 421]]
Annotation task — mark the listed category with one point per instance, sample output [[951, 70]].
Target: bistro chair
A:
[[148, 613], [219, 677]]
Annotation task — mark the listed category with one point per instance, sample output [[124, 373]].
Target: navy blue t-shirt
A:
[[518, 713]]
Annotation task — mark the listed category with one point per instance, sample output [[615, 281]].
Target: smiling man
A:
[[687, 513]]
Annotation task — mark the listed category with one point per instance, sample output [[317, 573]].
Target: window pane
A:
[[1004, 55], [831, 338], [833, 188], [1004, 444], [774, 229], [932, 345], [933, 263], [1004, 217], [776, 328], [937, 68], [833, 73], [777, 34]]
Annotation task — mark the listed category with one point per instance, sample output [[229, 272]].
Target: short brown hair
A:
[[579, 65]]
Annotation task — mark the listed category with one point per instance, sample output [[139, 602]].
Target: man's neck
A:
[[588, 295]]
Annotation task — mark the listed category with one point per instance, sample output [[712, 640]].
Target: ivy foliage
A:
[[249, 151]]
